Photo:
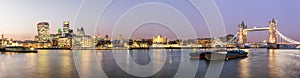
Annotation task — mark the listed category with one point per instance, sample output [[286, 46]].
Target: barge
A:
[[219, 54]]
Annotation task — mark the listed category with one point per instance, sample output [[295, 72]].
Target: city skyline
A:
[[19, 22]]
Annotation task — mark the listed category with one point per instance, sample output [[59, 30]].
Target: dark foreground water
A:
[[260, 63]]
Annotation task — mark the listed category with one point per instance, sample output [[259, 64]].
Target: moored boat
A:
[[236, 54], [219, 54], [215, 56], [19, 49]]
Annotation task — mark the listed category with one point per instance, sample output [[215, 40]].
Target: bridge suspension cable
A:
[[286, 38], [229, 41]]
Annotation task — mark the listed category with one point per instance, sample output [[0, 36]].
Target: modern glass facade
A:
[[43, 32]]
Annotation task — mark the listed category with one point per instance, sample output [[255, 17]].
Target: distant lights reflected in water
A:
[[272, 63], [85, 62], [10, 53], [57, 63], [66, 63], [43, 64], [244, 66]]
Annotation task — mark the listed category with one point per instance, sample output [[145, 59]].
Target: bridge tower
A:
[[273, 36], [242, 36]]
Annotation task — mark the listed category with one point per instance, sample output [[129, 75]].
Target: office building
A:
[[43, 32]]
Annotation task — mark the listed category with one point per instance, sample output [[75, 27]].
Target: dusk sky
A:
[[18, 18]]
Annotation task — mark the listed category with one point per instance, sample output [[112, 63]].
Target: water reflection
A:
[[100, 63], [87, 64], [244, 66], [111, 67], [44, 64], [67, 64], [272, 63], [10, 53]]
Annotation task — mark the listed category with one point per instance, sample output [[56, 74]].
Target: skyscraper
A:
[[66, 27], [43, 32]]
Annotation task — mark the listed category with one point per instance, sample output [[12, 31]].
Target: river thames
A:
[[260, 63]]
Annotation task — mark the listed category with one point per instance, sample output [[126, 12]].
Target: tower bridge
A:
[[273, 36], [241, 36]]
